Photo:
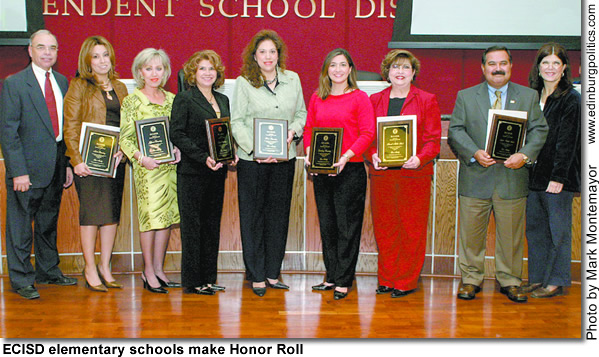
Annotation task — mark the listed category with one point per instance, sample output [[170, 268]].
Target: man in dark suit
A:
[[36, 167], [485, 185]]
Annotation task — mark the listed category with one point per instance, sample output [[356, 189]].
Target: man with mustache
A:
[[32, 143], [485, 185]]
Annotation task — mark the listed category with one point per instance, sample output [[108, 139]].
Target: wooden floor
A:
[[432, 312]]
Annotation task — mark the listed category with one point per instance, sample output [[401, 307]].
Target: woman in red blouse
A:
[[400, 197], [340, 198]]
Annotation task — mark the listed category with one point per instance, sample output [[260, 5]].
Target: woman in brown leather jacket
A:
[[95, 96]]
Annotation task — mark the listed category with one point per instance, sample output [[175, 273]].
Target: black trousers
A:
[[200, 199], [264, 203], [340, 203], [40, 205]]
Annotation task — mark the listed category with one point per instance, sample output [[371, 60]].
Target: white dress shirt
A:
[[40, 75]]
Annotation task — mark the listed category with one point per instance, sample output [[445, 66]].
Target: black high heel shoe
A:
[[170, 284], [399, 293], [323, 287], [216, 287], [338, 295], [259, 291], [200, 290], [148, 287], [277, 285]]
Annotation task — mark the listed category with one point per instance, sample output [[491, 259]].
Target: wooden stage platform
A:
[[431, 312]]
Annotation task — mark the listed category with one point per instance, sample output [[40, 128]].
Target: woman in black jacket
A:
[[200, 179], [555, 176]]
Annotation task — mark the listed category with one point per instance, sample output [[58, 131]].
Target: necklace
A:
[[209, 99], [269, 82], [106, 88]]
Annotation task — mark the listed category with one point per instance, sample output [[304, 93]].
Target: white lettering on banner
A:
[[269, 10], [94, 8], [207, 6], [275, 9], [372, 7], [257, 6], [297, 12]]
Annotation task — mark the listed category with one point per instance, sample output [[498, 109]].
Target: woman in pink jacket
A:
[[400, 196]]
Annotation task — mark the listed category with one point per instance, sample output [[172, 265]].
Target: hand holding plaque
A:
[[396, 139], [153, 139], [98, 144], [325, 150], [506, 131], [270, 139], [220, 142]]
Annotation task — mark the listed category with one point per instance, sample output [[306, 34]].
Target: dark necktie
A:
[[51, 103]]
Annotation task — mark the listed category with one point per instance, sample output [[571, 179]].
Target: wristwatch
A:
[[526, 159]]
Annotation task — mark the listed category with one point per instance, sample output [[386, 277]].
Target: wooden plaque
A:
[[396, 139], [220, 141], [153, 139], [97, 144], [270, 139], [325, 150], [505, 137]]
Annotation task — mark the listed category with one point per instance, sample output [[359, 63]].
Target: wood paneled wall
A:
[[303, 244]]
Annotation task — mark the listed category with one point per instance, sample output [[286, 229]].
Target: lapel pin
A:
[[512, 101]]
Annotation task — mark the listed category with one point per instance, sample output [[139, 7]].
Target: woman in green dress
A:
[[155, 184]]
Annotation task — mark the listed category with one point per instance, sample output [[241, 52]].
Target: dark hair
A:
[[191, 67], [250, 69], [534, 77], [325, 84], [395, 56], [493, 49]]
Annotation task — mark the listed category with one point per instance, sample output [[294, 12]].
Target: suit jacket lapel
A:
[[38, 100], [482, 99], [64, 85], [199, 98], [224, 110], [98, 96], [512, 97]]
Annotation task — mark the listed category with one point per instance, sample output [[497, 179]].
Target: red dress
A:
[[400, 198]]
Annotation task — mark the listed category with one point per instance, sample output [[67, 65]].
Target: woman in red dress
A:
[[400, 196]]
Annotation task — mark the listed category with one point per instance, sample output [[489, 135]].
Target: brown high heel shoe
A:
[[98, 288], [108, 284]]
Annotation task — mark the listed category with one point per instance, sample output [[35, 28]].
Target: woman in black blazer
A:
[[555, 176], [200, 180]]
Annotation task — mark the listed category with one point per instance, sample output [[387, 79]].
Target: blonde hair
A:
[[85, 58], [191, 67], [325, 84], [146, 56]]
